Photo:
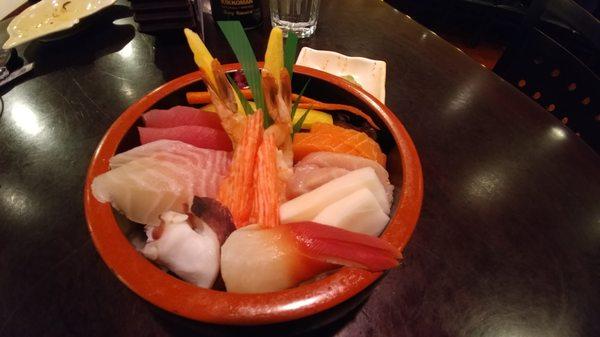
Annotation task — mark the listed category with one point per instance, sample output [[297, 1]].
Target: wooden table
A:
[[508, 243]]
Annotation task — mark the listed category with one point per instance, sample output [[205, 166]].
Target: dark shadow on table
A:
[[174, 58], [92, 38], [172, 55]]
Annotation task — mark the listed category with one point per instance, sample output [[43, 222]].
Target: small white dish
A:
[[50, 16], [369, 74]]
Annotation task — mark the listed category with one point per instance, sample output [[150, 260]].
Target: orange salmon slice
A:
[[332, 138]]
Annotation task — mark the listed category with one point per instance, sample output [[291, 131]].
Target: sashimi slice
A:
[[176, 151], [181, 116], [144, 188], [255, 259], [332, 138], [339, 246], [198, 136], [318, 168], [359, 212], [191, 254], [215, 215], [308, 205], [202, 158], [343, 160], [308, 177], [237, 190]]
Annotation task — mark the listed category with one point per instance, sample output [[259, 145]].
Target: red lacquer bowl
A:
[[210, 306]]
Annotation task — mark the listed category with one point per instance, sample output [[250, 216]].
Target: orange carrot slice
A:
[[237, 189], [339, 246], [198, 97], [268, 187]]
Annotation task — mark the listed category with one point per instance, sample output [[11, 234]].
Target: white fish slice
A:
[[308, 177], [160, 176], [200, 156], [312, 171], [145, 188]]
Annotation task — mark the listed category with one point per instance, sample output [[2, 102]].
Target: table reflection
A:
[[25, 119]]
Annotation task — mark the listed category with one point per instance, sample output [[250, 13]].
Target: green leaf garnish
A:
[[298, 126], [289, 52], [297, 101], [236, 36], [245, 104]]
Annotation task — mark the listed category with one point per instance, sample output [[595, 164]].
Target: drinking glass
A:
[[299, 16]]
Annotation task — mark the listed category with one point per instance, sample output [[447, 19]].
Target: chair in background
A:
[[551, 75]]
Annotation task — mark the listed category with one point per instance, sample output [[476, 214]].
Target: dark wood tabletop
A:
[[508, 242]]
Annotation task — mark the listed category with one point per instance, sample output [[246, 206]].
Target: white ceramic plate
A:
[[369, 74], [42, 19]]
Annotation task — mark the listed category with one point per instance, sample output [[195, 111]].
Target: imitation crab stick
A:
[[255, 259], [237, 190], [268, 187]]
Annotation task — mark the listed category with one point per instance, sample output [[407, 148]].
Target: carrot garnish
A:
[[237, 190], [203, 97], [198, 97]]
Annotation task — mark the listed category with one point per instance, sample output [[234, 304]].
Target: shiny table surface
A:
[[508, 243]]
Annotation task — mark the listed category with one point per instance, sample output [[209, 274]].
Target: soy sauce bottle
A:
[[248, 12]]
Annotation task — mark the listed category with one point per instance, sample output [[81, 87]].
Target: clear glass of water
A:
[[299, 16]]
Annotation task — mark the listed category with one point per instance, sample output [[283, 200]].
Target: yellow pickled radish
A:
[[274, 53], [314, 116], [202, 56]]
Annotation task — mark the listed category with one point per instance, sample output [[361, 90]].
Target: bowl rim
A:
[[217, 307]]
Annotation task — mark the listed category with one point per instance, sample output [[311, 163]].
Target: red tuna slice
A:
[[181, 116], [198, 136], [339, 246]]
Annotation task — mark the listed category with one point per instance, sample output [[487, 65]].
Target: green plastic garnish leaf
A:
[[236, 36], [245, 104], [298, 126], [289, 52], [297, 101]]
